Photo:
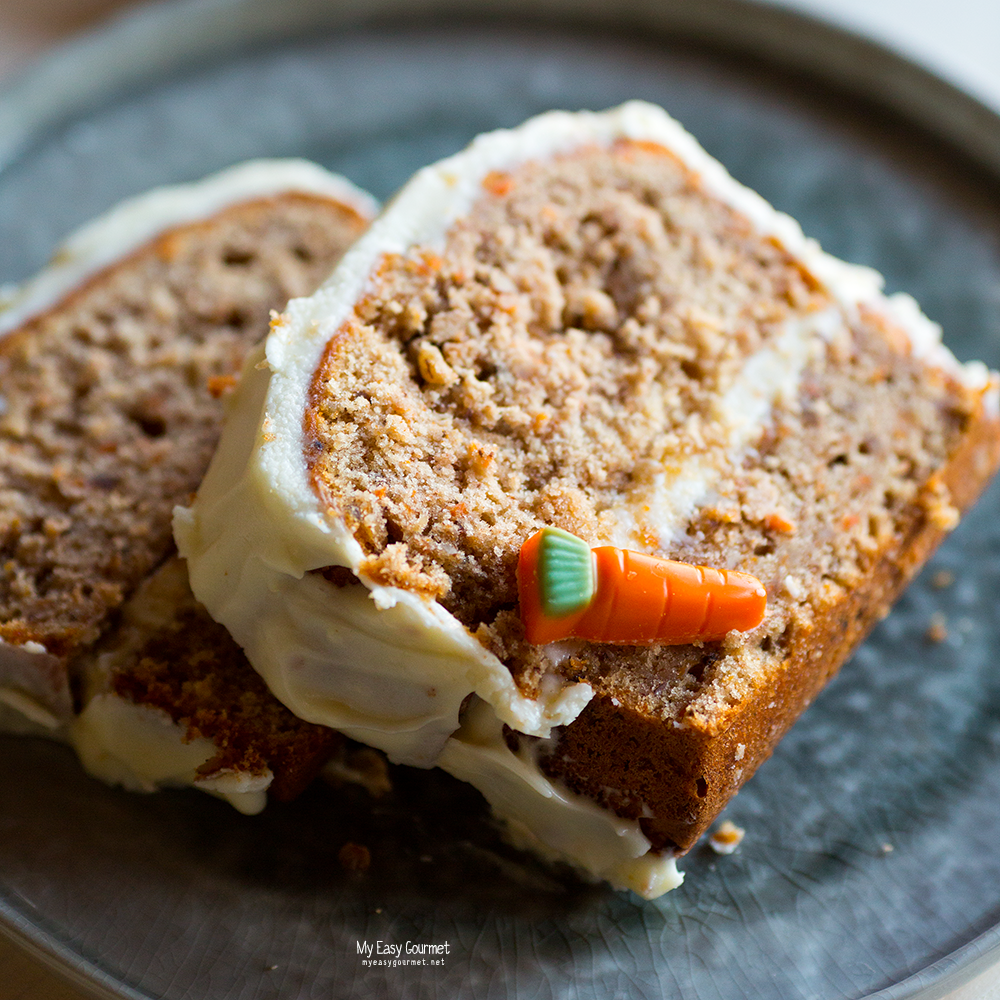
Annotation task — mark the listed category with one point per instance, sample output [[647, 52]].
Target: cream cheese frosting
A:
[[34, 686], [135, 221], [661, 508], [545, 817], [142, 749], [33, 683], [138, 746], [384, 665]]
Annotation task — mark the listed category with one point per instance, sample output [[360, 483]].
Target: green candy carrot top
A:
[[606, 594]]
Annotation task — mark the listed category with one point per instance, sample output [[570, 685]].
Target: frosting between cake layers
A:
[[662, 507], [386, 666]]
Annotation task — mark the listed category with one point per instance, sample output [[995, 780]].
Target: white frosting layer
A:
[[143, 749], [379, 663], [33, 682], [547, 818], [769, 377], [133, 222], [22, 714], [138, 746]]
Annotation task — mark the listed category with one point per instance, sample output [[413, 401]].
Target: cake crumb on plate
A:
[[937, 629], [726, 837]]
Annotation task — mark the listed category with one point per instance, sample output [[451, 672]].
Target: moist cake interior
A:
[[168, 654], [112, 403], [574, 337]]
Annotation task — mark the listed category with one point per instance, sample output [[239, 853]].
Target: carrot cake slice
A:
[[583, 324], [169, 700], [115, 363]]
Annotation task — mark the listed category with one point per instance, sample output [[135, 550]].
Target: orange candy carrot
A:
[[568, 590]]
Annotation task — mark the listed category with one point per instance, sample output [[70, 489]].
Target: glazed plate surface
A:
[[871, 860]]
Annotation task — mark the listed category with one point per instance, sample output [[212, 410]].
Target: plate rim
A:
[[78, 74], [59, 958], [49, 92]]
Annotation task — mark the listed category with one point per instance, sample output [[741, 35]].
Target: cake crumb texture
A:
[[111, 405], [574, 337], [577, 335], [189, 667]]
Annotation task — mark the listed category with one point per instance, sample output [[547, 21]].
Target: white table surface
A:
[[958, 39]]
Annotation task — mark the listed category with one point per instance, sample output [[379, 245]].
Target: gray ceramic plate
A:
[[871, 863]]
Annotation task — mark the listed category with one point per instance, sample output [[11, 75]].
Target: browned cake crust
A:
[[687, 774], [576, 334], [112, 407]]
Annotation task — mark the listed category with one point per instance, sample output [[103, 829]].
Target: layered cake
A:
[[116, 362], [583, 324]]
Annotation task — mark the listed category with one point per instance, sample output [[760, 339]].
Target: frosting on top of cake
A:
[[136, 220], [388, 666]]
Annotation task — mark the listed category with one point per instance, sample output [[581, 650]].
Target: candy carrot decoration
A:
[[569, 590]]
